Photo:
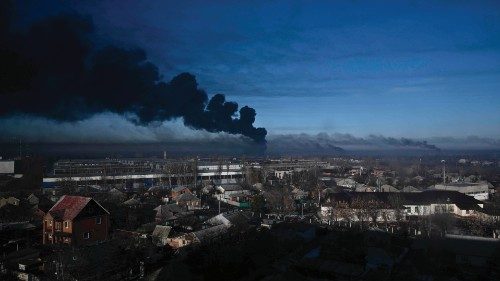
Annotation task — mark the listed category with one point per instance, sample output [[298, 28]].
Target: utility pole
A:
[[444, 171], [319, 197], [195, 172]]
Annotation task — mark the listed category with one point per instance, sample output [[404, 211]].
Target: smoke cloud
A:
[[53, 70], [336, 142]]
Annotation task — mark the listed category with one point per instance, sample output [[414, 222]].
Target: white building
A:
[[479, 190], [281, 174], [413, 204], [6, 167]]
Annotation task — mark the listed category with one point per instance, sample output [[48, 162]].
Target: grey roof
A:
[[174, 208], [161, 231], [410, 189], [179, 188], [388, 188], [462, 186], [186, 197], [210, 233], [132, 201], [364, 188], [231, 187], [116, 192], [229, 218], [170, 211]]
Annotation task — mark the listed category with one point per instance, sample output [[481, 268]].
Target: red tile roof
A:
[[68, 207]]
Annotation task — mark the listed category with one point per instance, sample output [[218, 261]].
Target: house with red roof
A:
[[76, 221]]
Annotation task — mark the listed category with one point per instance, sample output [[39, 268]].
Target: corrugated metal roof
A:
[[68, 207]]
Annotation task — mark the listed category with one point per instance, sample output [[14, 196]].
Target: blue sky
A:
[[398, 68]]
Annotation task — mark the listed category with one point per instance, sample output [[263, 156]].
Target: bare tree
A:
[[373, 208], [442, 218], [280, 201], [396, 202], [359, 207], [340, 211], [220, 167], [385, 213]]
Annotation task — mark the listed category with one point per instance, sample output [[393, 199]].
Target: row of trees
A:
[[367, 209]]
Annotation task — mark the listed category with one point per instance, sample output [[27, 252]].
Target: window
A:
[[86, 235], [58, 225], [66, 224], [98, 220]]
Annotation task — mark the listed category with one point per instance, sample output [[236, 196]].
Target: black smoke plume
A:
[[53, 70], [402, 142]]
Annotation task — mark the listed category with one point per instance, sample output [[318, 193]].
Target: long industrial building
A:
[[138, 172]]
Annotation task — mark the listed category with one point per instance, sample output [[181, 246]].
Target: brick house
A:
[[76, 221]]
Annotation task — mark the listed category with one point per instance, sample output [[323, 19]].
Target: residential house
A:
[[77, 221], [346, 182], [299, 194], [189, 200], [214, 228], [233, 194], [281, 174], [133, 202], [170, 212], [229, 188], [210, 234], [117, 195], [160, 235], [32, 199], [180, 190], [181, 240], [9, 201]]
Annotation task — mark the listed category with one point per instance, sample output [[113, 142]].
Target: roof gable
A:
[[92, 209], [186, 197]]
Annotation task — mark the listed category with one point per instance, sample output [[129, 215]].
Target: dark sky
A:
[[417, 69]]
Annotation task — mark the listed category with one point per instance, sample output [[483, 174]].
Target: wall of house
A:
[[48, 229], [98, 232], [418, 210], [481, 196]]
